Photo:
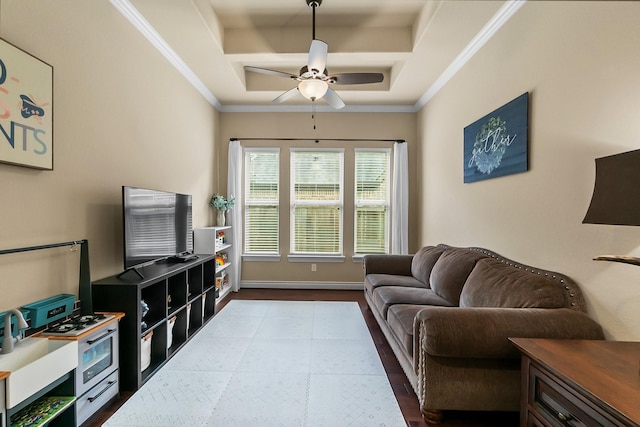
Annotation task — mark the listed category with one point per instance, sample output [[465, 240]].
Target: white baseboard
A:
[[261, 284]]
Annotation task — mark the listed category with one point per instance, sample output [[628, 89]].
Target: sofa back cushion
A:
[[423, 262], [450, 272], [493, 283]]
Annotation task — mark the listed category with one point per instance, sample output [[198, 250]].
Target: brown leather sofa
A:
[[448, 312]]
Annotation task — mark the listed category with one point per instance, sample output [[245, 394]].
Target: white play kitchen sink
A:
[[35, 363]]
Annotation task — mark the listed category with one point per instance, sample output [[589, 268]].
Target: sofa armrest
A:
[[387, 264], [484, 332]]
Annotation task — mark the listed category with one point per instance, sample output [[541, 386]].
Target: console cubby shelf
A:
[[181, 299], [217, 240]]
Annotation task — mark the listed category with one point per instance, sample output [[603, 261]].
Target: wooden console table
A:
[[579, 382]]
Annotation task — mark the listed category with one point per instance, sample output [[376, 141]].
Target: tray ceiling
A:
[[416, 44]]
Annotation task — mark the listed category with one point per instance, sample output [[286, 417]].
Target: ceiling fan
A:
[[314, 79]]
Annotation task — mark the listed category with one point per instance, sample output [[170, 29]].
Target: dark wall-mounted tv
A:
[[157, 225]]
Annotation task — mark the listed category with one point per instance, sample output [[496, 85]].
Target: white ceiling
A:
[[416, 44]]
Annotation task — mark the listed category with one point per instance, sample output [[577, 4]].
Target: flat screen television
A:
[[157, 225]]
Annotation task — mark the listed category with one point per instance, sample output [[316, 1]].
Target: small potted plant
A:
[[221, 205]]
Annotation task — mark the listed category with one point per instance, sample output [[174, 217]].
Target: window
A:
[[317, 219], [316, 201], [371, 201], [261, 210]]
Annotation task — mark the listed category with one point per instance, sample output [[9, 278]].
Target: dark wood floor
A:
[[403, 391]]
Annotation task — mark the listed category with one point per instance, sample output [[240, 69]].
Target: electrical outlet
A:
[[314, 267]]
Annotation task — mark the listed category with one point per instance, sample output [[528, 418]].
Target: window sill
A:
[[315, 258], [358, 258], [261, 258]]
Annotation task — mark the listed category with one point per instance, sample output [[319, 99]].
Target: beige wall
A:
[[328, 125], [579, 61], [122, 116]]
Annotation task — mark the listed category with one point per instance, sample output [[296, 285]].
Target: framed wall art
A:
[[26, 109], [497, 144]]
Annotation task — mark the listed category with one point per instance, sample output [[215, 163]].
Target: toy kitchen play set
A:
[[59, 360]]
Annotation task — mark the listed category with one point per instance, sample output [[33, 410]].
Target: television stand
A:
[[182, 258], [181, 300], [129, 270]]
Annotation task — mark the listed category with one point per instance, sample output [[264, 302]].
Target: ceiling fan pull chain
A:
[[313, 114]]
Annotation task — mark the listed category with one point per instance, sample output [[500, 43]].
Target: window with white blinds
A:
[[372, 195], [316, 201], [261, 199]]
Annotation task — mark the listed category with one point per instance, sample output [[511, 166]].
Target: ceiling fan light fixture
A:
[[314, 78], [313, 88]]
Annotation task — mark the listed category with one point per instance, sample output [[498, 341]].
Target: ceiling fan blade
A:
[[356, 78], [333, 99], [318, 56], [270, 72], [286, 95]]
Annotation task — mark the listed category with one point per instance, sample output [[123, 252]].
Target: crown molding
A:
[[308, 108], [495, 23], [144, 27]]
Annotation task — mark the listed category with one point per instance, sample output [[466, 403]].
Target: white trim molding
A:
[[261, 284], [320, 108], [315, 258], [146, 29], [261, 258], [503, 15]]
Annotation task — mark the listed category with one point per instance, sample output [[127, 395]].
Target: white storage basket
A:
[[145, 351], [188, 315], [170, 324]]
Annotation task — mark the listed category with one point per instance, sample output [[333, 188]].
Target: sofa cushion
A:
[[401, 319], [386, 296], [387, 264], [450, 272], [423, 262], [495, 284], [373, 281]]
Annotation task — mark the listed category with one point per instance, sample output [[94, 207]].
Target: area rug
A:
[[271, 363]]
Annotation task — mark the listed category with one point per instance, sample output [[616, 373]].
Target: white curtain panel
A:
[[234, 189], [400, 200]]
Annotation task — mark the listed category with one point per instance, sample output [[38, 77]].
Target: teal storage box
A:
[[50, 309], [14, 323]]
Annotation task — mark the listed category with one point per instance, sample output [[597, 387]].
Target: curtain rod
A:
[[316, 140]]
